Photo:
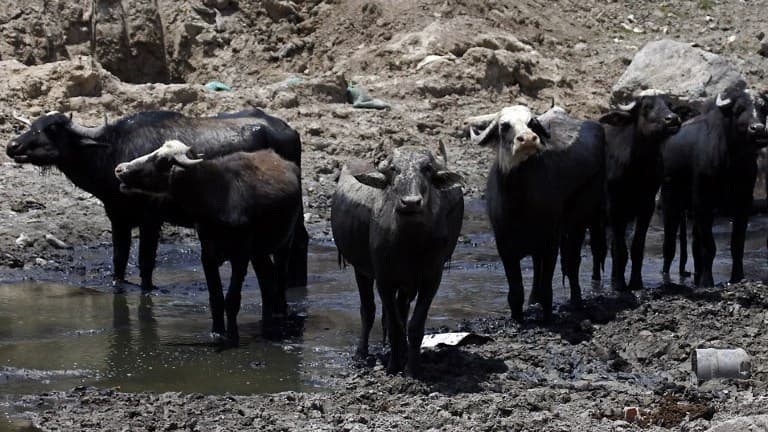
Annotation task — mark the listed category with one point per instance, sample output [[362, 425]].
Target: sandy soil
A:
[[294, 59]]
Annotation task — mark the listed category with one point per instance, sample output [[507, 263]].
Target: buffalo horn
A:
[[21, 119], [628, 106], [87, 132], [443, 153], [479, 139], [720, 102], [184, 161]]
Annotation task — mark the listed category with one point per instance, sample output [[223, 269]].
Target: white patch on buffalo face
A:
[[517, 142]]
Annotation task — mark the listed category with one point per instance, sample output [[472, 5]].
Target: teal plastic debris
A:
[[217, 86], [358, 96]]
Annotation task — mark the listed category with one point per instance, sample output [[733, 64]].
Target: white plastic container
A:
[[710, 363]]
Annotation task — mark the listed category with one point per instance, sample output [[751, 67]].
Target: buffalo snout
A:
[[410, 204], [11, 148], [120, 170], [757, 129]]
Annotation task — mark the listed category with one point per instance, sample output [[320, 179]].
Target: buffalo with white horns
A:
[[88, 157], [545, 187], [244, 207]]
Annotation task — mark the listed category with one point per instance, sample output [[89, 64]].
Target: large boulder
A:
[[751, 423], [684, 71]]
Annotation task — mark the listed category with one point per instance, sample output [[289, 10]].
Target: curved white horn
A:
[[21, 119], [87, 132], [720, 102], [184, 161], [628, 106], [481, 120], [483, 136]]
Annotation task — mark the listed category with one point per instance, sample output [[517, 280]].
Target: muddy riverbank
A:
[[577, 374]]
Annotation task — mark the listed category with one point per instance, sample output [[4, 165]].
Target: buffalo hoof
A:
[[361, 354], [619, 285], [517, 316], [706, 281], [414, 370], [736, 279], [576, 302], [636, 285], [685, 274], [146, 288]]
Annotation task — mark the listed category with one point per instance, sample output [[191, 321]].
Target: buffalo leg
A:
[[707, 248], [416, 323], [149, 235], [572, 246], [396, 326], [599, 248], [267, 277], [619, 254], [215, 294], [282, 263], [696, 249], [367, 311], [121, 248], [543, 272], [638, 248], [516, 295], [297, 263], [738, 236], [683, 246], [672, 218], [234, 297]]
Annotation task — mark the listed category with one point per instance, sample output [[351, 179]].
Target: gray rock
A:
[[688, 73], [751, 423]]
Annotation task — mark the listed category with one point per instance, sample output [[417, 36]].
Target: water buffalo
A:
[[243, 206], [711, 164], [398, 225], [633, 134], [545, 186], [88, 157]]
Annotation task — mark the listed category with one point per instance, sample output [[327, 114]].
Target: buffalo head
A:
[[151, 174], [518, 135], [745, 111], [51, 138], [409, 177], [650, 113]]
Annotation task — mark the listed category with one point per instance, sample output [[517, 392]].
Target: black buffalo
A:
[[711, 164], [633, 136], [545, 186], [243, 206], [88, 157], [398, 225]]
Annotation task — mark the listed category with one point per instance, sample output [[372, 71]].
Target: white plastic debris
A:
[[453, 339]]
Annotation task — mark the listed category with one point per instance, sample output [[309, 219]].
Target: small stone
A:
[[24, 240]]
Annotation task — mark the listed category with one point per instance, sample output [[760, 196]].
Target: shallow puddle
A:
[[56, 336]]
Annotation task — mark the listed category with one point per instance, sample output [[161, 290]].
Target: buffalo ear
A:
[[446, 179], [373, 179], [685, 112], [616, 118]]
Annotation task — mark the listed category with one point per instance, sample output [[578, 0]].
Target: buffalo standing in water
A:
[[88, 157], [543, 189], [243, 206], [398, 225]]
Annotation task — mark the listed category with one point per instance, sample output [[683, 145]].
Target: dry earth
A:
[[97, 57]]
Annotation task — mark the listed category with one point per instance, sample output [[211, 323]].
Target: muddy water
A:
[[57, 336]]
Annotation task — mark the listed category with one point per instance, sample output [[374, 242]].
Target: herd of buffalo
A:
[[236, 179]]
